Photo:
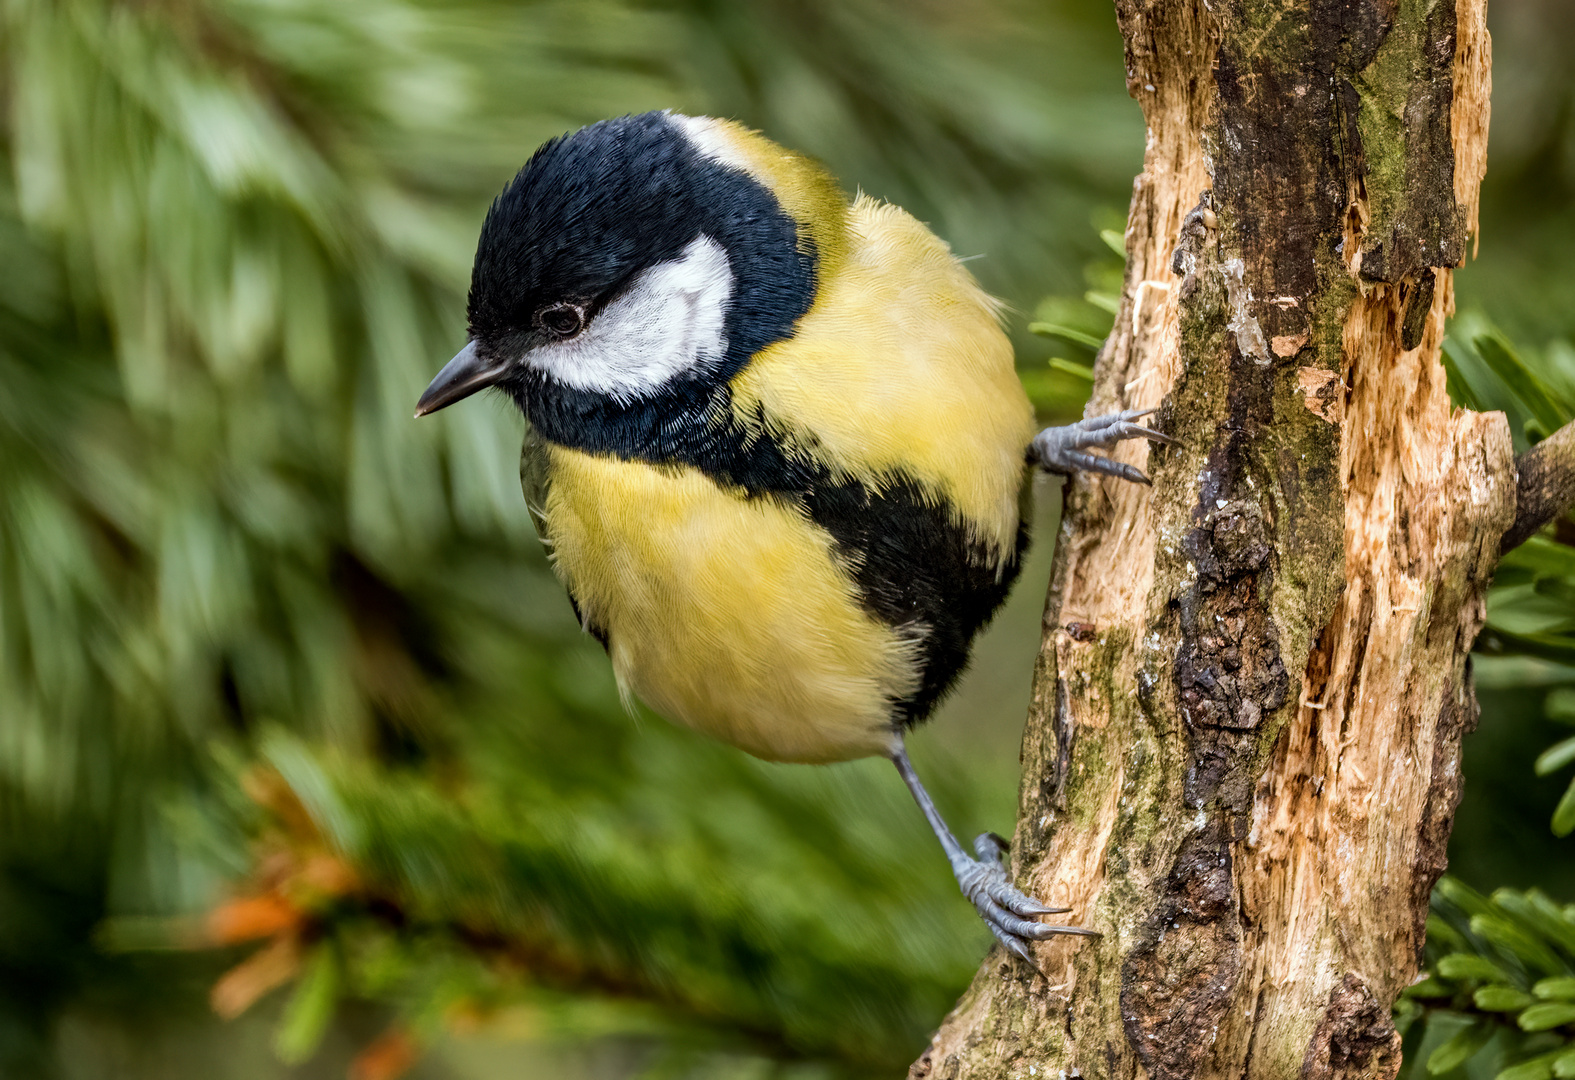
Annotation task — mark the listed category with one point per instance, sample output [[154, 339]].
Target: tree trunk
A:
[[1241, 764]]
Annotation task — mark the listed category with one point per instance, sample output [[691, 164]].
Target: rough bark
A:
[[1545, 485], [1241, 761]]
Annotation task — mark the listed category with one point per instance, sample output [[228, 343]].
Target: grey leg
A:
[[1060, 449], [1004, 909]]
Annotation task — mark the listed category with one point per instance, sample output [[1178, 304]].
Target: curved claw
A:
[[1019, 903], [1076, 459], [1022, 928], [1013, 945], [1117, 432], [1016, 933], [1005, 909], [1060, 449]]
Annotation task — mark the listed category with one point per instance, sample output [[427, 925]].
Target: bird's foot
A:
[[1005, 909], [1060, 449]]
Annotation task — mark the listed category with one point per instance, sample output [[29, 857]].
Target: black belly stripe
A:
[[906, 548], [915, 566]]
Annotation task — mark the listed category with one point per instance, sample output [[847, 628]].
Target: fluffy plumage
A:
[[785, 528], [777, 446]]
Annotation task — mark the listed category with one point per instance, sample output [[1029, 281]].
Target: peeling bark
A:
[[1242, 754]]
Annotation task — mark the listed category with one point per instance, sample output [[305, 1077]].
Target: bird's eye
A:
[[562, 320]]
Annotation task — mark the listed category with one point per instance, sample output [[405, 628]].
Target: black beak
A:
[[460, 377]]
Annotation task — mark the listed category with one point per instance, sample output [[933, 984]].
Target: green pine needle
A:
[[1067, 333], [1564, 814], [1460, 1048], [311, 1008], [1059, 363], [1555, 757]]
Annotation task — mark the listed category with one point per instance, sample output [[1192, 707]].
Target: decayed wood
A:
[[1245, 775]]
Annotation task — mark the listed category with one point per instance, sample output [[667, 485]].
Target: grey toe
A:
[[1013, 945], [1061, 449], [1019, 903], [1005, 909]]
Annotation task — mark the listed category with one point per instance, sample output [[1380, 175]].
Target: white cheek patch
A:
[[668, 322]]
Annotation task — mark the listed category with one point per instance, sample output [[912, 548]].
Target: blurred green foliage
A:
[[1498, 998], [236, 237]]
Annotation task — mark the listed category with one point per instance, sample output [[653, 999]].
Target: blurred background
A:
[[305, 767]]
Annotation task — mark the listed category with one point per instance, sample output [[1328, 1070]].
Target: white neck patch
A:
[[711, 139], [669, 321]]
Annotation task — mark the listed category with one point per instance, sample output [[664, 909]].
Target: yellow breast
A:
[[900, 367], [725, 614]]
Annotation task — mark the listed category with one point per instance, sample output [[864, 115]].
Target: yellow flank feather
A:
[[900, 364], [725, 614]]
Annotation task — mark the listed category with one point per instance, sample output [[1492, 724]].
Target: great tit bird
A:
[[776, 447]]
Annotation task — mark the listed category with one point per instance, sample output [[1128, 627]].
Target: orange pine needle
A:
[[388, 1058], [251, 917], [240, 987]]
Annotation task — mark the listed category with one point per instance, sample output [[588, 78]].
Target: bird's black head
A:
[[622, 277]]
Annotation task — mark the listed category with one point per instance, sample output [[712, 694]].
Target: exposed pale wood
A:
[[1245, 776]]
